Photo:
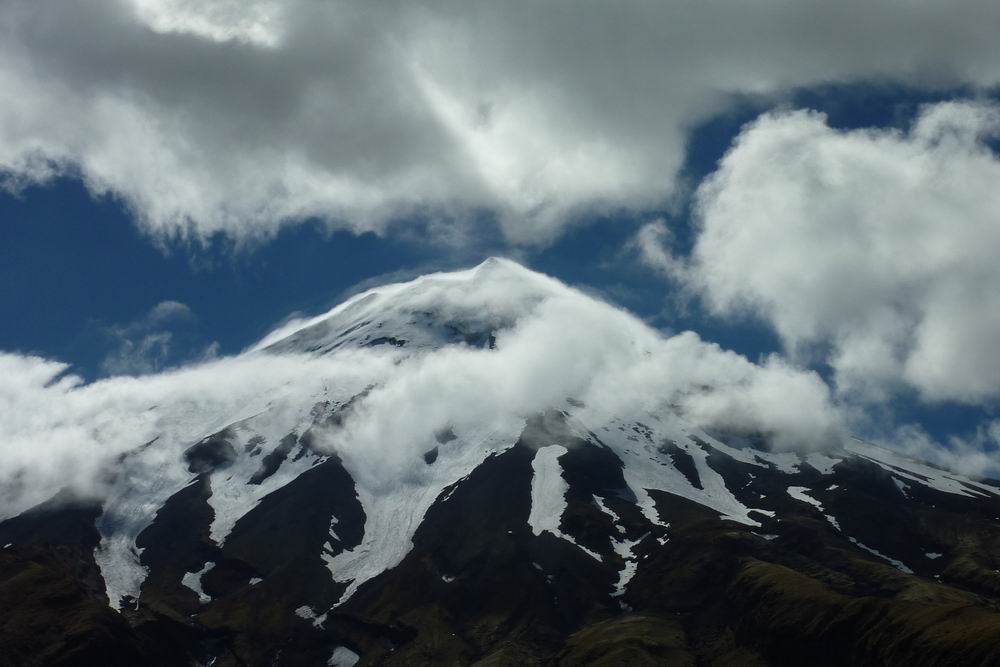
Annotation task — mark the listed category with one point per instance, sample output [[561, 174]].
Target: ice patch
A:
[[933, 555]]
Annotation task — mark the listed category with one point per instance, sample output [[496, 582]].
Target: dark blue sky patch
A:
[[71, 265]]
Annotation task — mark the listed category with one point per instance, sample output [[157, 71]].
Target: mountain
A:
[[487, 467]]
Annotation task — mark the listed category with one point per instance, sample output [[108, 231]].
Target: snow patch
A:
[[623, 547], [626, 549], [899, 565], [343, 657], [393, 513], [615, 519], [333, 533], [912, 471], [548, 495], [799, 493], [232, 494], [822, 463], [145, 480], [548, 491], [306, 612], [647, 466], [193, 581]]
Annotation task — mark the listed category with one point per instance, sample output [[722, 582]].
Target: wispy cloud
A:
[[162, 337]]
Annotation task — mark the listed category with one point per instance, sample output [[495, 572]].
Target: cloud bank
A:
[[873, 251], [58, 432], [238, 117]]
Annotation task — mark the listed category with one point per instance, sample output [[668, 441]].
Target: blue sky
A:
[[786, 179], [72, 262]]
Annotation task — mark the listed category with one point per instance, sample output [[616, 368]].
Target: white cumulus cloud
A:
[[872, 250]]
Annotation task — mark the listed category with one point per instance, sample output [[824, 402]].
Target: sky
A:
[[812, 181]]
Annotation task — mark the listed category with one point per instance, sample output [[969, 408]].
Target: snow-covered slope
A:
[[261, 447], [466, 307]]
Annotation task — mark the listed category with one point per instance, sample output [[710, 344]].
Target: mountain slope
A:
[[486, 467]]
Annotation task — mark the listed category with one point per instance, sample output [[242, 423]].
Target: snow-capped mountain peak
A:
[[431, 311], [435, 469]]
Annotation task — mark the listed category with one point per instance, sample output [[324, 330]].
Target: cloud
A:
[[554, 343], [872, 250], [158, 339], [974, 455], [59, 432], [652, 244], [218, 116]]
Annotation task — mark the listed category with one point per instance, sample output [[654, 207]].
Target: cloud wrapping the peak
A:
[[58, 432], [874, 249], [218, 116]]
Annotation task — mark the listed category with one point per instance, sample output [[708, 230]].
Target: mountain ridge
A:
[[306, 526]]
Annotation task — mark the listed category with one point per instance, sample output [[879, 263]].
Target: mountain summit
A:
[[429, 312], [489, 467]]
